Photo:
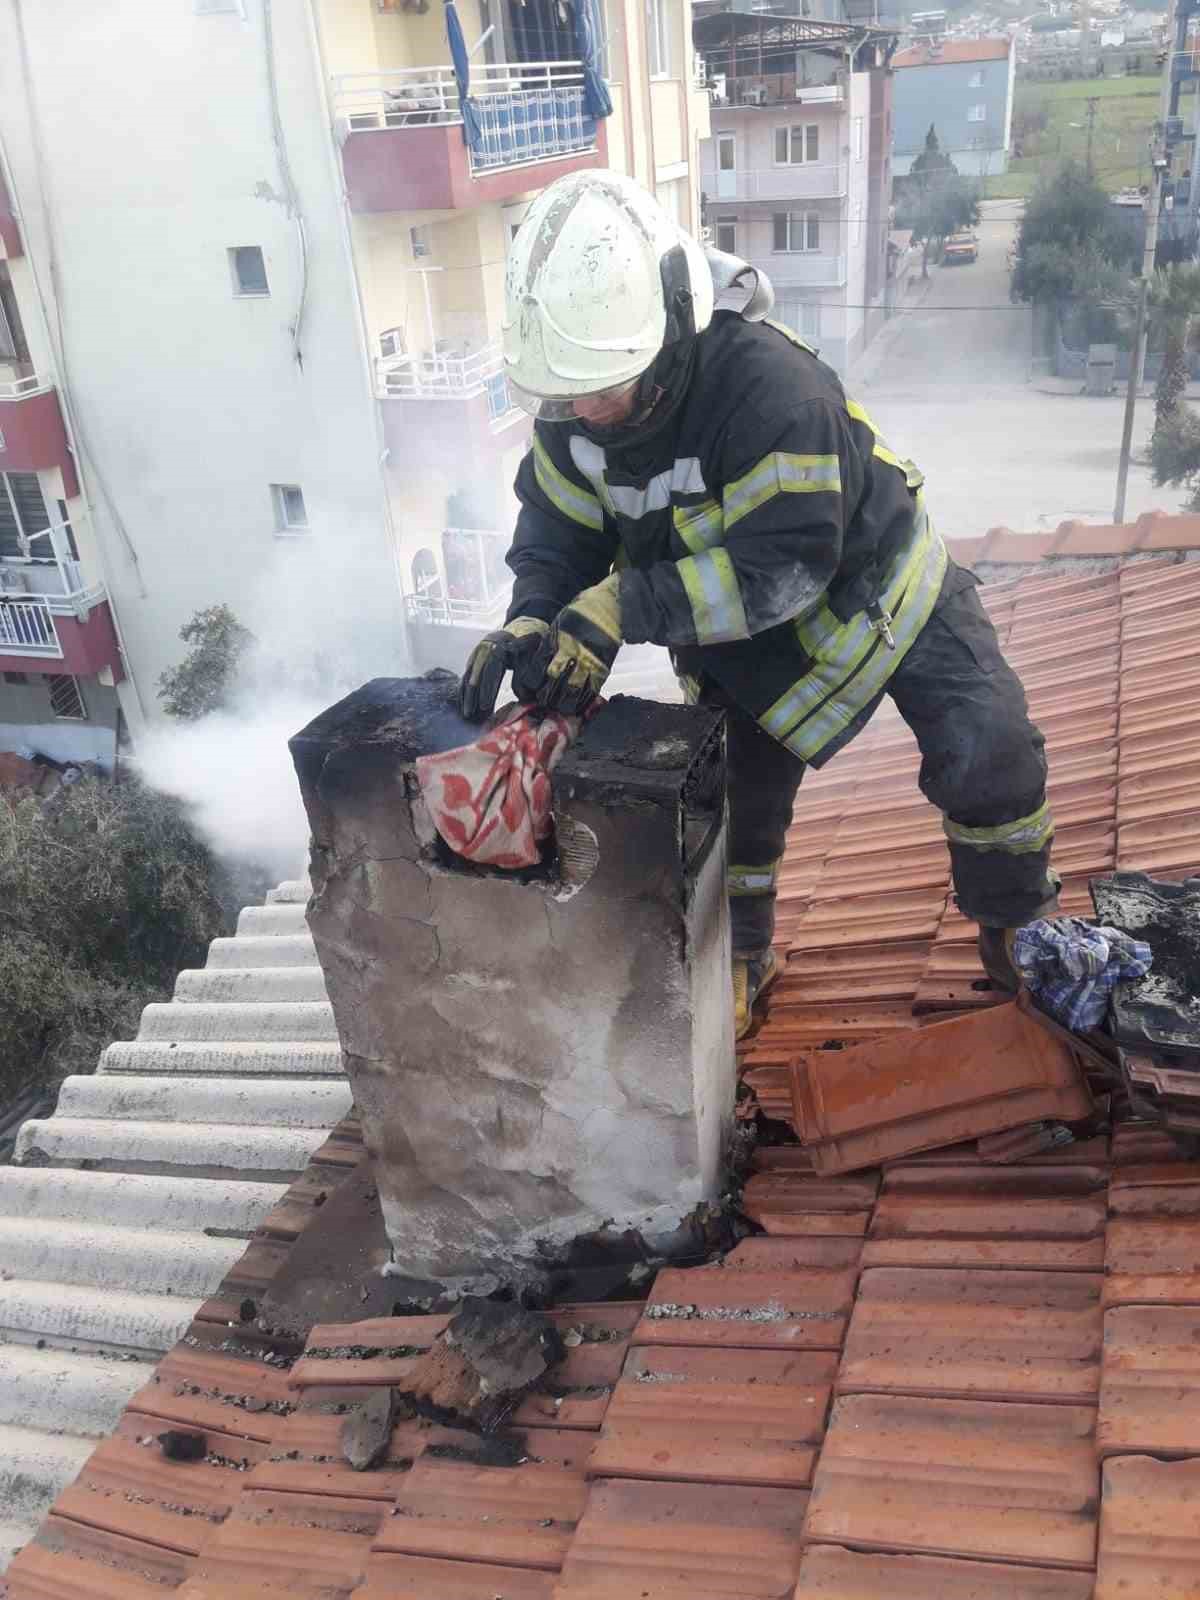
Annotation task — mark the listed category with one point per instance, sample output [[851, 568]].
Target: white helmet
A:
[[600, 281]]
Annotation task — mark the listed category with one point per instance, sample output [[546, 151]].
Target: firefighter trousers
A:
[[983, 766]]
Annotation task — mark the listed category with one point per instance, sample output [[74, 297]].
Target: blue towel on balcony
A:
[[1071, 967]]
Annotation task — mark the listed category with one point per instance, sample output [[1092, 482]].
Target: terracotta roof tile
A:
[[975, 1335], [1030, 1217], [956, 1080], [773, 1199], [520, 1516], [392, 1577], [1149, 1529], [709, 1416], [1150, 1389], [675, 1542], [953, 51], [784, 1253], [830, 1573], [1142, 1144], [1163, 1189], [69, 1561], [711, 1308], [1152, 1260], [963, 1478], [865, 971], [199, 1389]]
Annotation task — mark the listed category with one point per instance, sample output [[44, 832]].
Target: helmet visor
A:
[[583, 407]]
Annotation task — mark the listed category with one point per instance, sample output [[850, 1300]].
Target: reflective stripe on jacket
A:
[[752, 531]]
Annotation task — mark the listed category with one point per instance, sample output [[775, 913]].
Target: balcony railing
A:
[[36, 588], [807, 180], [774, 89], [805, 270], [22, 388], [453, 377], [527, 111], [440, 612]]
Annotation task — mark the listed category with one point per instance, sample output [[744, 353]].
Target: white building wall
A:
[[156, 156], [857, 129]]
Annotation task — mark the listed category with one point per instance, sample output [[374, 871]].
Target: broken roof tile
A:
[[955, 1080], [772, 1199], [975, 1335], [1149, 1529], [1152, 1260], [1006, 1482], [675, 1542], [829, 1572], [1150, 1387], [717, 1416], [521, 1516], [707, 1307]]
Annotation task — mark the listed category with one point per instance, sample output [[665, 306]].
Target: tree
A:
[[939, 204], [1069, 244], [105, 892], [203, 680], [1175, 453], [932, 163], [1174, 307]]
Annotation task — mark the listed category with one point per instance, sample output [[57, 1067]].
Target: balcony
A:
[[458, 598], [33, 436], [404, 147], [805, 271], [773, 89], [809, 180], [47, 612], [465, 404]]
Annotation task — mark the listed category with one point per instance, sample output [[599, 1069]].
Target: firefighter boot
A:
[[995, 952], [752, 977]]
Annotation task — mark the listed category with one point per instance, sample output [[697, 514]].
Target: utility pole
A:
[[1159, 167], [1085, 27], [1093, 102]]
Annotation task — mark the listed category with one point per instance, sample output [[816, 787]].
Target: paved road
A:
[[948, 384]]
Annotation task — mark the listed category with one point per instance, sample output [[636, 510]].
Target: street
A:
[[948, 383]]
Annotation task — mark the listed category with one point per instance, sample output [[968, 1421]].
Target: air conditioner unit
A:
[[391, 343]]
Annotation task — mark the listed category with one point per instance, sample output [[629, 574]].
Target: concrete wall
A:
[[28, 723], [941, 93], [193, 401]]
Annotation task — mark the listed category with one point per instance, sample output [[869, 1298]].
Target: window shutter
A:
[[31, 508], [812, 135], [10, 544], [780, 222]]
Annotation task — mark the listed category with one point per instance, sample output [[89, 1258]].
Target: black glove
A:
[[494, 655]]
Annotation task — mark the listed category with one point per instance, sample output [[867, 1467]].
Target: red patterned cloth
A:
[[490, 800]]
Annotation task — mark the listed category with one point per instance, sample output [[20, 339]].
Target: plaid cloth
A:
[[1071, 967]]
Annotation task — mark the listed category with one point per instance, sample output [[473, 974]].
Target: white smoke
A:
[[234, 772]]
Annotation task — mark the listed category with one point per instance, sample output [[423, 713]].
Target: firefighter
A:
[[698, 479]]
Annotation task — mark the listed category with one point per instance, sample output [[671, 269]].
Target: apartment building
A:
[[251, 281], [963, 90], [796, 176]]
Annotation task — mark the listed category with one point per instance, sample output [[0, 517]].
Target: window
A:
[[499, 402], [249, 270], [794, 146], [976, 113], [290, 515], [975, 81], [420, 240], [858, 139], [796, 230], [66, 701], [658, 38], [16, 679], [726, 152], [727, 237], [22, 511], [12, 336], [671, 196]]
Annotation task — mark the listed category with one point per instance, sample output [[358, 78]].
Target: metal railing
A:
[[439, 611], [27, 626], [802, 180], [440, 374], [526, 111], [22, 388]]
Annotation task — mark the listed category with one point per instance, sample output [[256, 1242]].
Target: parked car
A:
[[960, 249]]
